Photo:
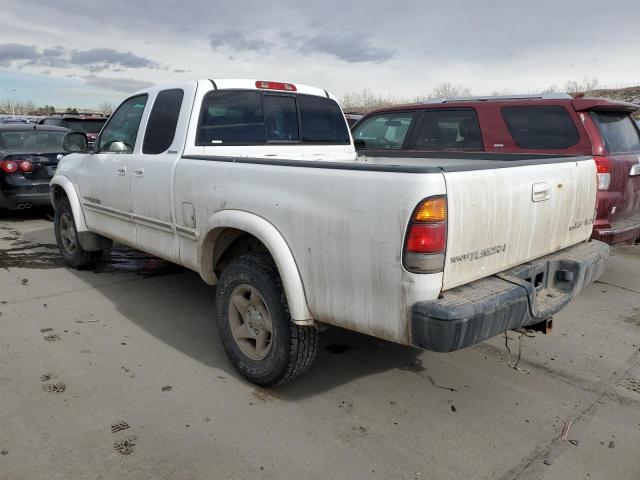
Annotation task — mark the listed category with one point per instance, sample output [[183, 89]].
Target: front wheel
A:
[[67, 239], [255, 327]]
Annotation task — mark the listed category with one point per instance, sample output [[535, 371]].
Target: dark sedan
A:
[[28, 158]]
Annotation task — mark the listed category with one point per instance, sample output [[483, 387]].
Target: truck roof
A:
[[245, 84]]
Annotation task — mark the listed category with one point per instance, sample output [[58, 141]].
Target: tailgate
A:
[[622, 142], [503, 217], [625, 179]]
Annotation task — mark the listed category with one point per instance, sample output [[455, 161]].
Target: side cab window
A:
[[121, 131], [384, 131], [163, 121]]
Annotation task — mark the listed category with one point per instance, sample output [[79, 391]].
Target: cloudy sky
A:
[[82, 53]]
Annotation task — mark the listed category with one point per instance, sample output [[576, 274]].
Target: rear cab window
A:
[[541, 127], [618, 131], [384, 131], [245, 117], [450, 129]]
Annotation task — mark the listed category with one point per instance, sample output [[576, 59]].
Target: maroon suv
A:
[[554, 124]]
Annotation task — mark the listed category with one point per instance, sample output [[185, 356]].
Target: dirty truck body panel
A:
[[338, 227]]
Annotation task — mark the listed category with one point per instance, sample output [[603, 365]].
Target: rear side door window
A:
[[619, 133], [454, 129], [162, 123], [384, 131], [541, 127], [120, 133]]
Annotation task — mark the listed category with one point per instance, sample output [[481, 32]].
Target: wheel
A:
[[67, 238], [253, 321]]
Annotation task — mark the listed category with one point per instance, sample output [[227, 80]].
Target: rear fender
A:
[[275, 243]]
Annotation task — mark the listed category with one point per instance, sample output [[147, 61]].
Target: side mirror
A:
[[75, 142], [119, 147], [359, 143]]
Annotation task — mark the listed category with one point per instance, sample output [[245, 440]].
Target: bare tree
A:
[[587, 85], [366, 100], [106, 108], [449, 90]]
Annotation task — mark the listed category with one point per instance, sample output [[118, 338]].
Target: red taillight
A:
[[9, 166], [289, 87], [603, 165], [603, 169], [427, 238], [427, 231], [26, 166]]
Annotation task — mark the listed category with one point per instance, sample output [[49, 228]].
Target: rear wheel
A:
[[67, 238], [255, 327]]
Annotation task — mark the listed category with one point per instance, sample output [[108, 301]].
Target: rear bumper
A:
[[625, 231], [16, 196], [521, 296]]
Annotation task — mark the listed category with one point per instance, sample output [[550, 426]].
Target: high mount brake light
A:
[[287, 87], [427, 237], [603, 169], [9, 166]]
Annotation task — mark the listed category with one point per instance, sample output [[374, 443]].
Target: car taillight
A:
[[426, 239], [603, 169], [9, 166], [289, 87], [25, 166]]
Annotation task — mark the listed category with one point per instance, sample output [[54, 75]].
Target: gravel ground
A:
[[119, 373]]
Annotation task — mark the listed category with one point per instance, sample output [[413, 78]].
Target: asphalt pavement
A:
[[119, 373]]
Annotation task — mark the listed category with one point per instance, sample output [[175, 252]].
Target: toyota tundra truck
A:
[[255, 185]]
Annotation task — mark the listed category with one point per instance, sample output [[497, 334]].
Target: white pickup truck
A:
[[255, 185]]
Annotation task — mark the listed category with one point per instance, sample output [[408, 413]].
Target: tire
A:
[[67, 239], [252, 285]]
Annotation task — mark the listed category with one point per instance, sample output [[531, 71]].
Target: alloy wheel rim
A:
[[68, 233], [250, 322]]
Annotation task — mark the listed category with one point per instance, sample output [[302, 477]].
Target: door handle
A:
[[540, 192], [138, 172], [122, 169]]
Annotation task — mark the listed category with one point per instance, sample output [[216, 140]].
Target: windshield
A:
[[32, 141], [84, 126], [619, 133]]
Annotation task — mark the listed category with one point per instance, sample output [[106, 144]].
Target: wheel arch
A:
[[256, 226], [61, 185]]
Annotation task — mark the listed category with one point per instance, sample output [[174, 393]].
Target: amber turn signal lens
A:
[[432, 210]]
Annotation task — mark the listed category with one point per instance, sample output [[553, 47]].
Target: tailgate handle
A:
[[540, 192]]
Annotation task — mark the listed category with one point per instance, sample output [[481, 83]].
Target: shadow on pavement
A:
[[174, 305]]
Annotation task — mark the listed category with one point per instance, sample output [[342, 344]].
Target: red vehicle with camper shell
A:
[[554, 124]]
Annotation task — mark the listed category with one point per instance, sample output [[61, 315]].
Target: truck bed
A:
[[459, 161]]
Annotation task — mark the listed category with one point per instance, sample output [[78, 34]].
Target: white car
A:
[[255, 185]]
